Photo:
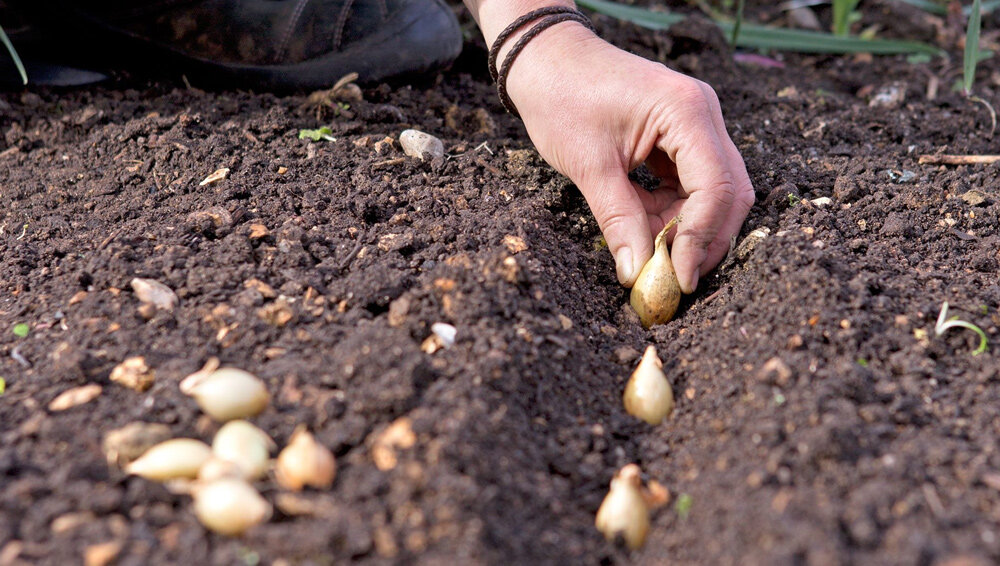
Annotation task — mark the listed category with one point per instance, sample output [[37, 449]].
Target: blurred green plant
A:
[[844, 14], [738, 24], [941, 8], [323, 133], [13, 55], [21, 330], [762, 37]]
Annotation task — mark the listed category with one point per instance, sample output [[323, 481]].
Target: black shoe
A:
[[266, 44]]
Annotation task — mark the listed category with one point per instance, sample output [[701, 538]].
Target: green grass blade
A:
[[13, 55], [762, 37], [971, 47], [942, 9], [739, 21]]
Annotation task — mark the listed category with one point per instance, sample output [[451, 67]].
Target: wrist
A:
[[494, 15], [545, 64]]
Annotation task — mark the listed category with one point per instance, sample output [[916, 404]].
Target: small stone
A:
[[822, 201], [70, 521], [416, 144], [278, 313], [626, 354], [746, 247], [974, 197], [514, 243], [398, 309], [155, 293], [889, 96], [75, 397], [397, 436], [101, 554], [134, 373], [776, 371], [446, 333], [258, 231], [803, 18]]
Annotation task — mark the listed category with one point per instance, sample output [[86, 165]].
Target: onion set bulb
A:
[[246, 446], [648, 394], [656, 292], [227, 394], [179, 458], [229, 506], [305, 462], [623, 512]]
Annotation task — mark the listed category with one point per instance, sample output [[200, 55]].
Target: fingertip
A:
[[690, 283], [624, 266]]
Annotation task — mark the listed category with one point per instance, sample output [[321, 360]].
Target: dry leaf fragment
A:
[[154, 293], [134, 373], [77, 297], [75, 396], [215, 177]]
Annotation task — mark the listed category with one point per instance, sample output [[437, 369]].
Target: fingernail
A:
[[692, 283], [623, 265]]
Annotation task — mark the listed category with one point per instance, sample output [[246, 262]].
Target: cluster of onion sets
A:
[[220, 477]]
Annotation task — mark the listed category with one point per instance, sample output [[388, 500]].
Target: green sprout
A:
[[683, 506], [3, 386], [973, 55], [863, 362], [794, 199], [21, 330], [954, 322], [323, 133], [738, 23], [13, 55]]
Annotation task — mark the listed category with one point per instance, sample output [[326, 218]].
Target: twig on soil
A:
[[16, 354], [344, 263], [945, 159], [484, 146], [388, 162], [714, 295], [107, 240], [933, 501]]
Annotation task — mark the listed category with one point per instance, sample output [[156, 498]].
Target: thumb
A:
[[623, 221]]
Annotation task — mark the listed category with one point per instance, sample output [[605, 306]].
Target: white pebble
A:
[[416, 143]]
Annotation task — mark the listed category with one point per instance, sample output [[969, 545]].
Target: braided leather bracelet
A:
[[551, 16]]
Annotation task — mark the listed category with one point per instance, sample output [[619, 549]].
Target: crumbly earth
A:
[[820, 419]]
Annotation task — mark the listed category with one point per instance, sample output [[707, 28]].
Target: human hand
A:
[[595, 112]]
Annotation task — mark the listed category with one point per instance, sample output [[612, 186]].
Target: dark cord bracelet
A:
[[552, 15]]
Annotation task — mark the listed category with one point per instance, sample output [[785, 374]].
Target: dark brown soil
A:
[[820, 420]]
